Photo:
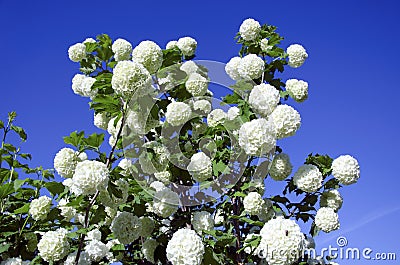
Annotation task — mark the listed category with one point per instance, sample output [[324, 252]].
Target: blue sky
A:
[[352, 72]]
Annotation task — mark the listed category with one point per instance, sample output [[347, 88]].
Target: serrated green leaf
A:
[[23, 209], [54, 187]]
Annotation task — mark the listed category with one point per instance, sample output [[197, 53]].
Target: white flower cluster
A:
[[187, 45], [148, 226], [346, 170], [163, 176], [286, 120], [96, 250], [67, 211], [331, 199], [189, 67], [251, 67], [297, 89], [281, 241], [233, 113], [308, 178], [65, 162], [257, 137], [264, 45], [77, 52], [89, 177], [264, 98], [40, 208], [202, 105], [171, 44], [178, 113], [15, 261], [200, 167], [126, 227], [94, 234], [82, 85], [253, 203], [126, 165], [84, 259], [157, 185], [122, 50], [101, 120], [297, 55], [249, 29], [281, 167], [196, 84], [216, 117], [148, 248], [53, 245], [129, 77], [165, 203], [185, 248], [327, 219], [202, 221], [231, 68], [149, 54]]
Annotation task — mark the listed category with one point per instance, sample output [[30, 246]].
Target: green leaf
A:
[[1, 124], [106, 103], [332, 184], [20, 132], [210, 257], [99, 215], [4, 248], [23, 209], [6, 189], [18, 183], [54, 187], [323, 162], [74, 138], [94, 140], [171, 56]]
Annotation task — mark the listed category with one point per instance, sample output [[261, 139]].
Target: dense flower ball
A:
[[96, 250], [345, 169], [251, 67], [122, 50], [77, 52], [126, 227], [297, 55], [82, 85], [286, 120], [202, 221], [165, 203], [200, 167], [331, 199], [249, 29], [297, 89], [53, 245], [171, 44], [264, 98], [257, 137], [178, 113], [40, 208], [264, 45], [281, 241], [327, 219], [84, 259], [129, 77], [232, 68], [187, 45], [253, 203], [196, 85], [94, 234], [308, 178], [15, 261], [149, 54], [216, 117], [89, 40], [148, 226], [127, 167], [233, 113], [202, 105], [65, 162], [148, 248], [89, 177], [101, 120], [189, 67], [281, 167], [185, 248]]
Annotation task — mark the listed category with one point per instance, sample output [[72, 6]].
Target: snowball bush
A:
[[345, 168], [308, 178], [185, 248]]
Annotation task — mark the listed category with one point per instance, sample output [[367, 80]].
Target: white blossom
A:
[[264, 98], [157, 185], [53, 245], [67, 211], [89, 177], [96, 250], [129, 77], [94, 234], [126, 227], [126, 165], [297, 55], [264, 45], [232, 68], [171, 44], [101, 120], [297, 89], [178, 113], [189, 67], [327, 219], [281, 167], [122, 50], [233, 113], [218, 217], [77, 52], [187, 45], [165, 203], [249, 29], [308, 178], [216, 117], [286, 120], [346, 170], [83, 259], [148, 248], [200, 167], [202, 221], [202, 105], [163, 176], [185, 248], [65, 162], [281, 241], [40, 208], [253, 203], [196, 84], [149, 54], [251, 67], [14, 261], [331, 199], [257, 137], [89, 40], [82, 85]]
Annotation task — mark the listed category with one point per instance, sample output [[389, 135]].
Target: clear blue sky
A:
[[352, 71]]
